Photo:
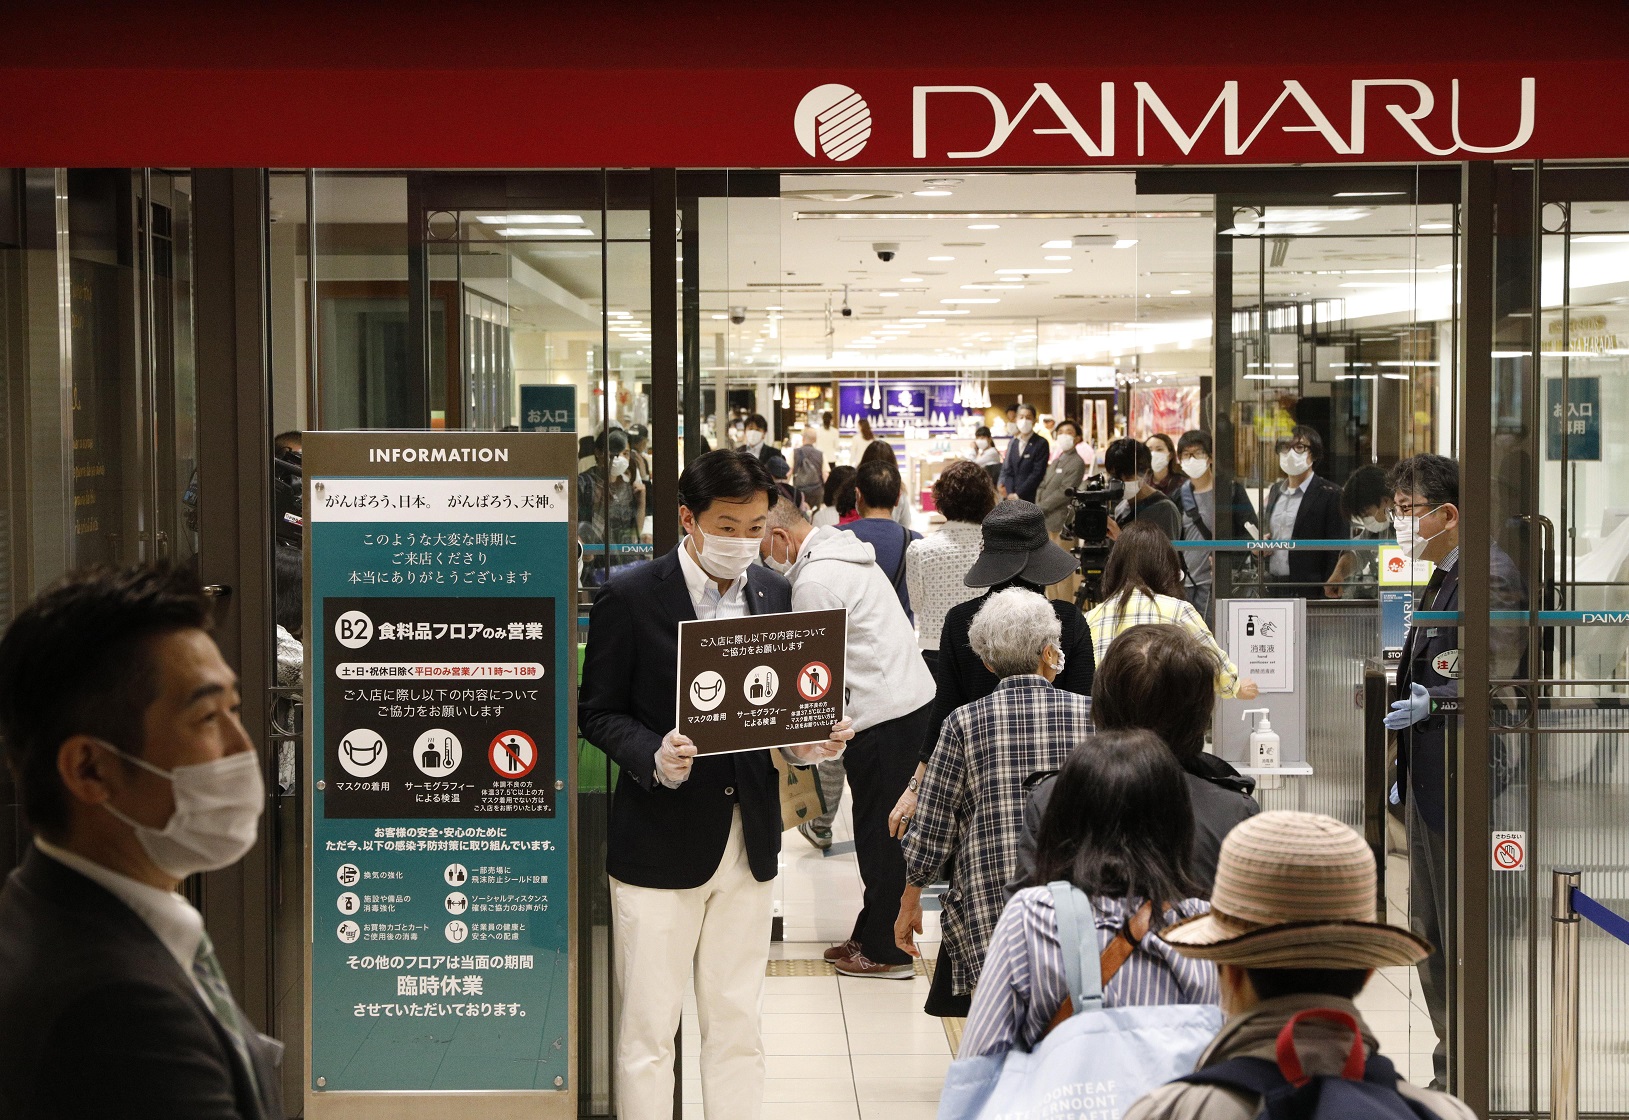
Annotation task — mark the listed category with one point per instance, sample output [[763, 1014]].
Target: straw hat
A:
[[1295, 890]]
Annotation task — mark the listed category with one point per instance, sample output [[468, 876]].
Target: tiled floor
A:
[[845, 1049]]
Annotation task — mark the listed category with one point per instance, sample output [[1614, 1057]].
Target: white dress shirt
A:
[[178, 926], [704, 593], [1282, 525]]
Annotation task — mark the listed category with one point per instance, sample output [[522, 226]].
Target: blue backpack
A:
[[1365, 1090]]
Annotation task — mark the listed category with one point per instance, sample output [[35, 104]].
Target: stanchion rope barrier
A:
[[1611, 922]]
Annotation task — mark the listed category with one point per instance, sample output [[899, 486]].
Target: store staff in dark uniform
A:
[[1425, 490], [1027, 456], [1303, 505], [755, 440], [120, 720], [693, 841]]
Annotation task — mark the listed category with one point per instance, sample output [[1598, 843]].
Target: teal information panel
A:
[[438, 628]]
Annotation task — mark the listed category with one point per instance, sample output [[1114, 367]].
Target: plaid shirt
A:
[[971, 804], [1111, 619]]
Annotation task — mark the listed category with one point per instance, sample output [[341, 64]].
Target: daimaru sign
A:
[[1135, 119]]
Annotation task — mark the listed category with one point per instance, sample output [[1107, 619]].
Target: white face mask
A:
[[1195, 467], [1374, 524], [725, 557], [217, 813], [784, 567], [1159, 460], [754, 437], [1293, 463], [981, 443], [1408, 535], [1066, 441], [619, 466], [1058, 666], [1025, 425]]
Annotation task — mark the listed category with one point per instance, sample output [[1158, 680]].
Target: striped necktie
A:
[[206, 970]]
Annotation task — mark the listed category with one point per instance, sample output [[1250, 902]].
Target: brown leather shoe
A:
[[861, 965], [841, 952]]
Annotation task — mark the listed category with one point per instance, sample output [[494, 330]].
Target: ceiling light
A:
[[1060, 243], [1058, 257], [983, 225], [888, 295], [1376, 284], [947, 311], [1436, 225], [718, 316], [1125, 242], [530, 220], [931, 194], [1032, 271], [910, 279], [992, 287], [941, 258], [774, 307], [536, 231], [1368, 194], [1182, 291], [971, 299]]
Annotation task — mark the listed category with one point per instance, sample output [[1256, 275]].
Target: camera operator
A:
[[1131, 463]]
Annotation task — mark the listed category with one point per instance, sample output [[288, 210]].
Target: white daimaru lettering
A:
[[438, 454], [1396, 102], [1005, 126]]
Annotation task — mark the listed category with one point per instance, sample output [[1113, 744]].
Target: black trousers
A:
[[880, 761], [1428, 918]]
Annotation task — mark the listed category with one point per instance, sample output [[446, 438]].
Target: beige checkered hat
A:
[[1295, 890]]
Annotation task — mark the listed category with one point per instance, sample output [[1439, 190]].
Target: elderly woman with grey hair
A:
[[972, 798]]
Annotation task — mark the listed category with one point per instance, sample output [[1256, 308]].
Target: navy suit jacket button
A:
[[729, 791]]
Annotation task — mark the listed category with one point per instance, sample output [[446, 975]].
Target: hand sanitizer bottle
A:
[[1263, 750]]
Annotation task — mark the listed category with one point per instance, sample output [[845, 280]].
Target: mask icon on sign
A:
[[362, 753], [706, 695]]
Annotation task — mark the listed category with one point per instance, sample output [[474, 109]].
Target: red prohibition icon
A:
[[1508, 855], [814, 680], [512, 754]]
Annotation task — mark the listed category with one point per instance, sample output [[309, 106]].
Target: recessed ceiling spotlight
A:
[[931, 194], [1182, 291], [774, 307]]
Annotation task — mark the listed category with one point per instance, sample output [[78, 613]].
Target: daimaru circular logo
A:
[[834, 121]]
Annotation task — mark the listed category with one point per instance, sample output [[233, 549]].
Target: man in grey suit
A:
[[120, 722]]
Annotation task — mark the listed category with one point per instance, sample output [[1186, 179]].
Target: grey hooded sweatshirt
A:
[[887, 677]]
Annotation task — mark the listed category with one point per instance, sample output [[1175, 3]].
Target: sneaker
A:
[[814, 834], [860, 965], [842, 952]]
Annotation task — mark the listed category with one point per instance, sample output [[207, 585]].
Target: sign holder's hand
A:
[[1406, 713], [908, 926], [827, 749], [674, 759]]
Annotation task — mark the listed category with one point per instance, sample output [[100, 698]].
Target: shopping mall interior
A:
[[675, 305]]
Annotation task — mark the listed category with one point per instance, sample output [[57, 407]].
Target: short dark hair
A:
[[981, 431], [1126, 457], [735, 475], [834, 483], [1196, 437], [1158, 678], [1142, 559], [963, 492], [1022, 405], [1119, 822], [1366, 489], [1011, 408], [611, 441], [287, 439], [76, 661], [1343, 983], [757, 421], [848, 495], [288, 587], [879, 485], [1432, 477], [1314, 440], [1059, 426], [638, 434]]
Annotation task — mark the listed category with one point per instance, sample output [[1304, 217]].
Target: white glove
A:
[[811, 753], [674, 759]]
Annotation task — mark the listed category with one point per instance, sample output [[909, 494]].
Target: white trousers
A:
[[721, 930]]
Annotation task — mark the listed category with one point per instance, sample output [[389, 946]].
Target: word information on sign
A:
[[761, 681], [1510, 851], [1261, 634]]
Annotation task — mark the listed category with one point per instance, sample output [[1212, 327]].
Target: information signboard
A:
[[439, 728], [1579, 423], [548, 408], [1262, 640], [768, 680]]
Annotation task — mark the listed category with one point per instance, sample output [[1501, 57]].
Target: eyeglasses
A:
[[1407, 513], [1298, 445]]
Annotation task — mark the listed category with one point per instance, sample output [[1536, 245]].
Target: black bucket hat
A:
[[1016, 545]]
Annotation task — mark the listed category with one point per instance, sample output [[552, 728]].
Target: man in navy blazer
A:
[[694, 841], [1426, 516], [1027, 456]]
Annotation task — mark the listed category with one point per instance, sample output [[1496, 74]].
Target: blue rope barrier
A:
[[1587, 907]]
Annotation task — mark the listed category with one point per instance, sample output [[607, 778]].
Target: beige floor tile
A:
[[801, 1045], [793, 1003], [899, 1110], [811, 1110], [808, 1066], [804, 1022], [809, 1090], [892, 1022], [873, 1089], [896, 1043], [900, 1065]]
